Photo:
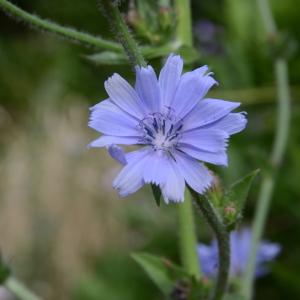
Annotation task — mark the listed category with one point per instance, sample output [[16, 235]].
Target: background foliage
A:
[[62, 227]]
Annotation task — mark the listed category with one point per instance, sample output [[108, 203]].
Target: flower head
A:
[[174, 123], [240, 244]]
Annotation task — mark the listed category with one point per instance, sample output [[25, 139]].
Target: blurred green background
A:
[[62, 227]]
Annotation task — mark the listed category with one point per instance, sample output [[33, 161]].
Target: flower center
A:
[[160, 131]]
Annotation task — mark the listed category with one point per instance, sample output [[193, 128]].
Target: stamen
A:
[[164, 126], [161, 131]]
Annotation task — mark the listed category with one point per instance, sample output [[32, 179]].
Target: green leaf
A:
[[108, 58], [156, 193], [4, 270], [162, 272], [233, 297], [234, 200], [189, 54], [119, 58]]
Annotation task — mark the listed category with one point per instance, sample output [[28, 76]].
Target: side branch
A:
[[49, 26]]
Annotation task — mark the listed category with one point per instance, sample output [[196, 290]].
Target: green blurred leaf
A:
[[233, 297], [234, 200], [156, 193], [162, 272], [189, 54], [108, 58], [4, 270], [119, 58]]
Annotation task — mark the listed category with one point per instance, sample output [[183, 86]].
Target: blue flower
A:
[[240, 243], [174, 123]]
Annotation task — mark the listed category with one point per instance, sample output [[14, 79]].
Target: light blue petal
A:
[[232, 123], [216, 158], [173, 189], [208, 256], [156, 167], [195, 174], [117, 153], [148, 89], [124, 96], [161, 169], [109, 119], [169, 78], [130, 179], [240, 242], [210, 140], [107, 140], [208, 111], [268, 251], [192, 87]]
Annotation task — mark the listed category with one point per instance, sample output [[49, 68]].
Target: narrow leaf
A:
[[233, 297], [108, 58], [162, 272]]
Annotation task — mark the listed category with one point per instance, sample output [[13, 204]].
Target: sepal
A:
[[233, 201], [156, 193]]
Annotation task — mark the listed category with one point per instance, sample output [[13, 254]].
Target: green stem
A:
[[19, 290], [278, 151], [75, 35], [111, 11], [63, 31], [184, 22], [188, 239], [187, 232], [215, 222], [284, 112]]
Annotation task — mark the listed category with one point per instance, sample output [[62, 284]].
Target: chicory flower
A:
[[240, 244], [172, 121]]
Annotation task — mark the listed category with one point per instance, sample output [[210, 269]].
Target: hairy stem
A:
[[188, 239], [222, 236], [278, 150], [74, 35], [66, 32], [111, 11], [215, 222], [19, 290]]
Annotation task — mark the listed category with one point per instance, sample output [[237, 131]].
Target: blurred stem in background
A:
[[187, 232], [19, 290], [279, 146], [184, 22], [187, 236], [8, 281]]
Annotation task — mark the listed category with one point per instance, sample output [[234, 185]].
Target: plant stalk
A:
[[187, 231], [222, 235], [184, 22], [187, 237], [19, 290], [74, 35], [49, 26], [111, 11], [277, 154]]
